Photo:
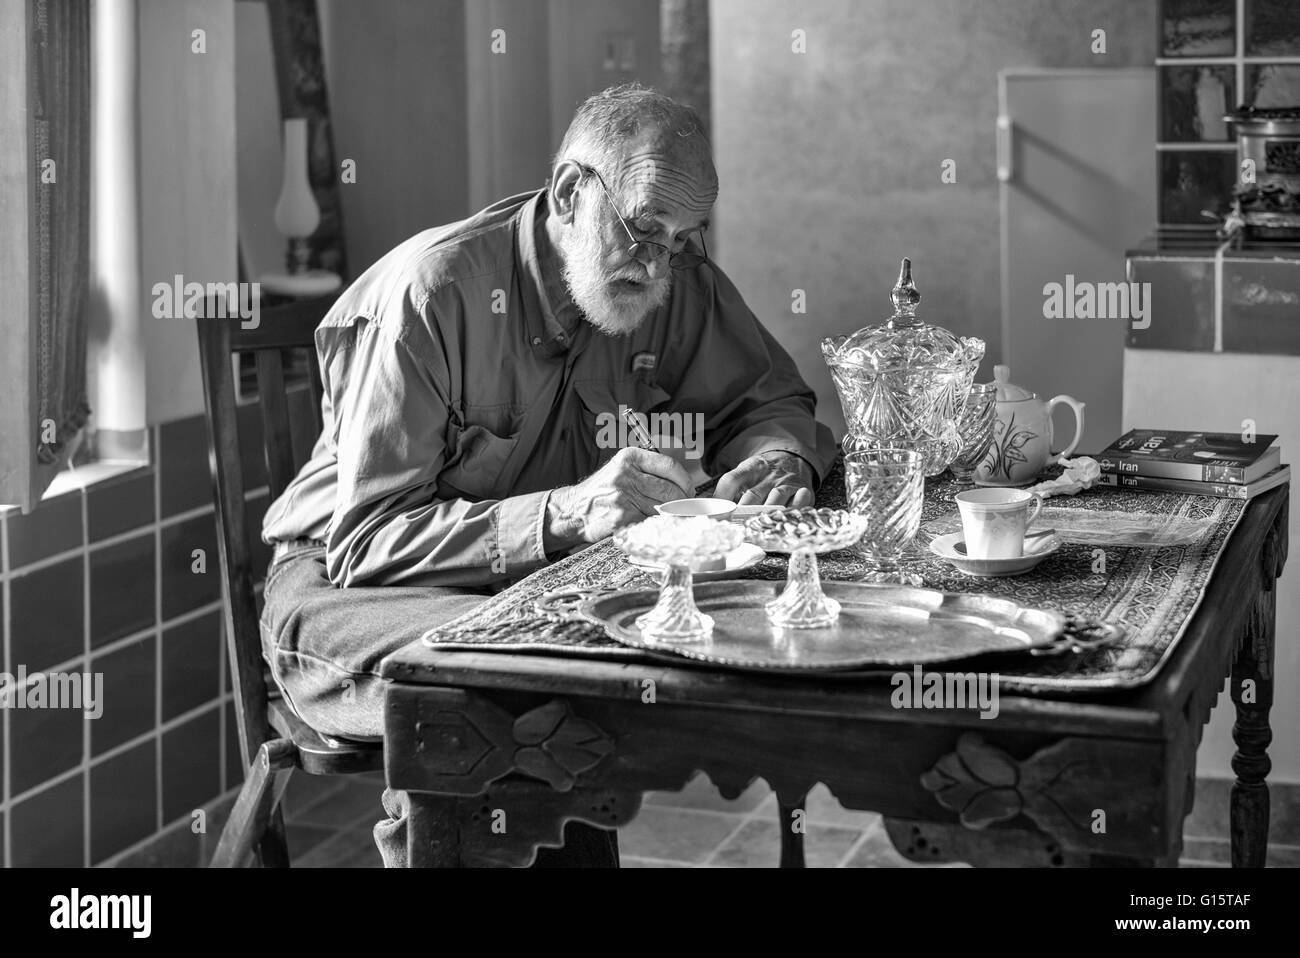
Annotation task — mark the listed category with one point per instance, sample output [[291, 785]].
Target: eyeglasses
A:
[[683, 259]]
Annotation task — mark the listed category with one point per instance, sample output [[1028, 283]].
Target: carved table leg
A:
[[432, 832], [792, 837], [1252, 694]]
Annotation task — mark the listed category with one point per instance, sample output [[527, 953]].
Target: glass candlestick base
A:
[[681, 544], [803, 605], [803, 533], [675, 618]]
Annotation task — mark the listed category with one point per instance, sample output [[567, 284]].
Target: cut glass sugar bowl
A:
[[904, 382]]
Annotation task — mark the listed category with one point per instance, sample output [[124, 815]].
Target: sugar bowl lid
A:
[[904, 340], [1007, 391]]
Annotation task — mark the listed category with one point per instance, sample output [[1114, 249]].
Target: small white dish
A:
[[1037, 548], [744, 556], [701, 506]]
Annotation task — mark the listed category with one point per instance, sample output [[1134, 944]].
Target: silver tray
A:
[[879, 626]]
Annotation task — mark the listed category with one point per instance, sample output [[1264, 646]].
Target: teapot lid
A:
[[1009, 392]]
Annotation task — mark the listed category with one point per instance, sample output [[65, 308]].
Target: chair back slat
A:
[[281, 328], [274, 403]]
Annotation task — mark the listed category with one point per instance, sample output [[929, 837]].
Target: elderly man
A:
[[471, 376]]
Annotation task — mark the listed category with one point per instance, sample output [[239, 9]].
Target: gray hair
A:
[[606, 121]]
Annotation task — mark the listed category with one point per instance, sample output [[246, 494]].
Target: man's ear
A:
[[561, 194]]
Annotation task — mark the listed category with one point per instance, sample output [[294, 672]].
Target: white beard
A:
[[614, 310]]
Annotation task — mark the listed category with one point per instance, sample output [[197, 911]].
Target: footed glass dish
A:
[[681, 545], [803, 533]]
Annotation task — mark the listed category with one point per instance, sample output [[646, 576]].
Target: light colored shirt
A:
[[455, 400]]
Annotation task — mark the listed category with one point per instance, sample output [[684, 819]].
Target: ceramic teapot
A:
[[1022, 434]]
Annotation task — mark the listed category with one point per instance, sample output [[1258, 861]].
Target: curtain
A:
[[59, 99]]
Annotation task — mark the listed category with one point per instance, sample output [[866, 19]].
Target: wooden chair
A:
[[272, 739]]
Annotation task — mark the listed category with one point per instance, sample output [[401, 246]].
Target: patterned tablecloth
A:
[[1140, 559]]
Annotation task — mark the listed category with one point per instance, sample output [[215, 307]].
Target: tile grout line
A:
[[69, 554], [117, 645], [158, 624], [857, 843], [126, 746], [85, 640], [113, 860]]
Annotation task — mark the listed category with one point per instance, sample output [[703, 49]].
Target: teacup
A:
[[718, 509], [700, 506], [994, 521]]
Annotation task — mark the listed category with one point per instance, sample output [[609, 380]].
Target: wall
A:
[[105, 581], [187, 174], [1169, 390], [558, 47], [830, 160], [396, 75]]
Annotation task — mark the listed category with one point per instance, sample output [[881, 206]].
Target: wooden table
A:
[[499, 750]]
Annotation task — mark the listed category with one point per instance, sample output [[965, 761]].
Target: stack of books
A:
[[1201, 463]]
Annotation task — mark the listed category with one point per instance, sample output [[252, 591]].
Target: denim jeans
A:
[[325, 644]]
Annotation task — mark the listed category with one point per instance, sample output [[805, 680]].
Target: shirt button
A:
[[537, 340]]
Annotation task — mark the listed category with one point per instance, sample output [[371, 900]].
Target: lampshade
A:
[[296, 212]]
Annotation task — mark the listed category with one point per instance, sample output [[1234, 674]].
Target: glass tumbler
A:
[[886, 487], [975, 426]]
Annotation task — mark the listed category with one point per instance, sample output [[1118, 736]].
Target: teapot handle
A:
[[1078, 408]]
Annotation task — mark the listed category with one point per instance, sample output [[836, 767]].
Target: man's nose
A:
[[655, 266]]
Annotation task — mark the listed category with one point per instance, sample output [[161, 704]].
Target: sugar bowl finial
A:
[[905, 295]]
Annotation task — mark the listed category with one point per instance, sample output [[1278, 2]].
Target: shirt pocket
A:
[[477, 463], [603, 402]]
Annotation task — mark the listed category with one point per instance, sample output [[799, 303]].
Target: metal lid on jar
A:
[[903, 340]]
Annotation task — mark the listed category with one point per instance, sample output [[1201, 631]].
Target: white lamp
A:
[[296, 217]]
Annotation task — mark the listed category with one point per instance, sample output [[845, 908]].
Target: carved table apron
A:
[[498, 750]]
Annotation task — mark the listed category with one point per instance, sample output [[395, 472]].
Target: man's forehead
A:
[[668, 185]]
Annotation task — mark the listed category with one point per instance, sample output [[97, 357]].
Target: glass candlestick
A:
[[804, 533], [682, 545]]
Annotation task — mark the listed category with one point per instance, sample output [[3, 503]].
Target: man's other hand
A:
[[771, 479], [623, 491]]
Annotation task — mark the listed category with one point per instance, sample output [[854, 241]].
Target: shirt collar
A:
[[546, 334]]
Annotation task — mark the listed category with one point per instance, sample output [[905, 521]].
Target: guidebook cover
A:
[[1199, 456]]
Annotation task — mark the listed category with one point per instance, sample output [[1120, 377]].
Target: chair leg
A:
[[255, 821]]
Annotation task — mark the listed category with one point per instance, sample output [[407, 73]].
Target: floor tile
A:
[[628, 861], [702, 794], [823, 809], [303, 838], [877, 851], [758, 845], [305, 790], [352, 803], [675, 833]]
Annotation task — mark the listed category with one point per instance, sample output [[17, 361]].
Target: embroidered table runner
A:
[[1138, 559]]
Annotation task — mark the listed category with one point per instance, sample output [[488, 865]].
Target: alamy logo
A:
[[1085, 300], [670, 430], [73, 911], [53, 690], [946, 690], [180, 299]]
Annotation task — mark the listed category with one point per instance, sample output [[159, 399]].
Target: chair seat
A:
[[319, 755]]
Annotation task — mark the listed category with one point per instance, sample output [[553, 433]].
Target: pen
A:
[[636, 430]]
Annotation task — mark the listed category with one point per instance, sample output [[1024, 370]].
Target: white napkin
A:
[[1080, 473]]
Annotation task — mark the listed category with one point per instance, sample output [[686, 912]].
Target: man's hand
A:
[[625, 490], [771, 479]]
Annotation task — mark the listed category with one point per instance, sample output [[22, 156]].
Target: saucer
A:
[[744, 556], [1036, 550], [745, 513]]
